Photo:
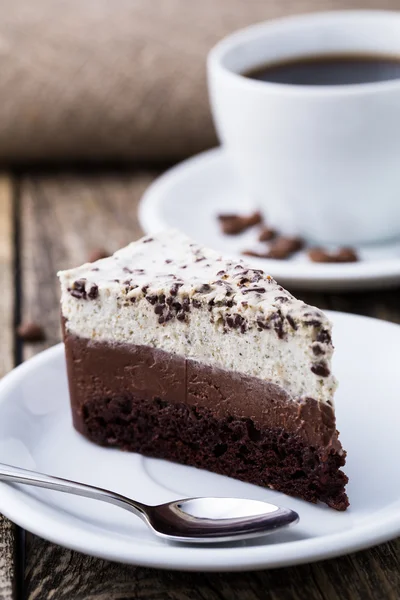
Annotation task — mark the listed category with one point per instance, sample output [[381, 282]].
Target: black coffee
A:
[[332, 69]]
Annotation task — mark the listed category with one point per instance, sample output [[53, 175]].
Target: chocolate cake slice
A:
[[177, 353]]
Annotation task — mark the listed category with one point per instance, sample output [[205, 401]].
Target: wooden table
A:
[[50, 221]]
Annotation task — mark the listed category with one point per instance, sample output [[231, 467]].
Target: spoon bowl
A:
[[218, 519]]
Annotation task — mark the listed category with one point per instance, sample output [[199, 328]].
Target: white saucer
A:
[[36, 433], [191, 195]]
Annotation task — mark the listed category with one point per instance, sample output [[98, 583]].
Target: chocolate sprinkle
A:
[[324, 337], [203, 289], [313, 323], [78, 289], [259, 290], [277, 322], [317, 350], [320, 369], [152, 299], [93, 292], [175, 288]]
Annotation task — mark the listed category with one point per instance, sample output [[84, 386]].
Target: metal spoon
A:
[[188, 520]]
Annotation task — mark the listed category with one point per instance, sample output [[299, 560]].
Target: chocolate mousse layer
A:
[[163, 405]]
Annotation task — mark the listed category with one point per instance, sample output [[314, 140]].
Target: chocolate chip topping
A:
[[324, 337], [175, 288], [204, 289], [152, 298], [259, 290], [78, 290], [320, 369], [93, 291], [317, 349], [277, 323]]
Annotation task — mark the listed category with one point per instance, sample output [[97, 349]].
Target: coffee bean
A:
[[284, 247], [232, 224], [255, 254], [342, 255], [97, 254], [31, 332], [266, 234]]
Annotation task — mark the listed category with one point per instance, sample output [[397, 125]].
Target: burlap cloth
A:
[[118, 79]]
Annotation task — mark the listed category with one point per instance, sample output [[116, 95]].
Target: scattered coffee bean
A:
[[266, 234], [97, 254], [233, 224], [284, 247], [256, 254], [31, 332], [342, 255]]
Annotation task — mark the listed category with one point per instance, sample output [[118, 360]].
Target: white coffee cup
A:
[[321, 161]]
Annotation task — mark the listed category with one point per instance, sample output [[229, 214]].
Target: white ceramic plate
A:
[[191, 195], [36, 433]]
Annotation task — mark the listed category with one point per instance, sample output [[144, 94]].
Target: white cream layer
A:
[[120, 312]]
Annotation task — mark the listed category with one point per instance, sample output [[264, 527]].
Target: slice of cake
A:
[[177, 353]]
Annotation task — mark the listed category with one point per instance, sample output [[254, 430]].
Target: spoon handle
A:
[[17, 475]]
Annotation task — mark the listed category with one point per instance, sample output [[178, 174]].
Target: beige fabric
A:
[[118, 79]]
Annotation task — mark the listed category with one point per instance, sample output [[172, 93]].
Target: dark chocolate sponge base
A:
[[230, 446]]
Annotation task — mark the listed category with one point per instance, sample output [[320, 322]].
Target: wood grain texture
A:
[[63, 217], [7, 529]]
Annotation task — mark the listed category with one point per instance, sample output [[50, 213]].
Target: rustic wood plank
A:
[[63, 217], [7, 529]]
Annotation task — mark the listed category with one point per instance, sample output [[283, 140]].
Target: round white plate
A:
[[36, 433], [191, 195]]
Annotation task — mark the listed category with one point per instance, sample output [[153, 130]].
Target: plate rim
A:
[[13, 506], [348, 276]]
